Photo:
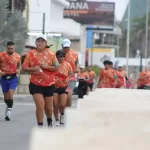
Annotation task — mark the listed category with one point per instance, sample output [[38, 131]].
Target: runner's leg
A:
[[70, 91], [56, 108], [63, 102], [40, 104], [12, 85], [49, 109]]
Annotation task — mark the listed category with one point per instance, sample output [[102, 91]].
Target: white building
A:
[[54, 22]]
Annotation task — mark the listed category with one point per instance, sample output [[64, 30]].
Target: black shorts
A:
[[60, 91], [45, 91], [90, 85]]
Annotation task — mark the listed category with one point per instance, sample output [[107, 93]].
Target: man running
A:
[[107, 76], [10, 68], [62, 77], [71, 57], [90, 82], [42, 64]]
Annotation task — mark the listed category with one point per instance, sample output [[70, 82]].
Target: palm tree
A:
[[18, 4], [137, 40], [138, 34], [13, 28]]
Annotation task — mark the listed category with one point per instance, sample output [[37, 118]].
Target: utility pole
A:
[[146, 33], [128, 39], [43, 30], [92, 50]]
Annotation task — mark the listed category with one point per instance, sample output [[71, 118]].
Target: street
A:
[[15, 135]]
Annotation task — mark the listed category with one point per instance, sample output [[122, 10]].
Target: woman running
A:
[[42, 64], [143, 81], [62, 78], [121, 77]]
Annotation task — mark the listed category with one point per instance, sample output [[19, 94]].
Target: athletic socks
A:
[[40, 124], [9, 104], [49, 121], [6, 102]]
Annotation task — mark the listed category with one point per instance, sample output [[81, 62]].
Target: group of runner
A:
[[52, 78], [112, 78]]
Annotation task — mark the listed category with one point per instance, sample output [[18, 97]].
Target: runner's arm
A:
[[18, 67], [77, 65], [26, 65], [54, 66]]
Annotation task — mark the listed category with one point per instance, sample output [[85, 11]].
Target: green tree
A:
[[20, 5], [12, 29], [137, 36]]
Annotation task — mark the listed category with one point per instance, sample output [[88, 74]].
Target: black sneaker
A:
[[50, 124], [7, 118]]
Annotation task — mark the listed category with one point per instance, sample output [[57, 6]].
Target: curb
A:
[[28, 98]]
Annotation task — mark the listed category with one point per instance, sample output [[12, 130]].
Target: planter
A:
[[24, 79]]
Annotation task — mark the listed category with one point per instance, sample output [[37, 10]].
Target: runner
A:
[[10, 68], [121, 77], [83, 77], [90, 82], [143, 81], [42, 64], [107, 76], [62, 77], [71, 57]]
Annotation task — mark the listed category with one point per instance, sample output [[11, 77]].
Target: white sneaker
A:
[[7, 115], [57, 123], [62, 119]]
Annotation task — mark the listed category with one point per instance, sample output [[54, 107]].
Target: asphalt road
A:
[[15, 135]]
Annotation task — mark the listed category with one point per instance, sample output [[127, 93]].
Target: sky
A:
[[120, 7]]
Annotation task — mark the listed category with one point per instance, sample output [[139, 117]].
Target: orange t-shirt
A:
[[64, 71], [143, 79], [120, 78], [83, 75], [107, 78], [72, 58], [91, 76], [33, 59], [8, 63]]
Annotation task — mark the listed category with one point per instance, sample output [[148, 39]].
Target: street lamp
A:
[[128, 39]]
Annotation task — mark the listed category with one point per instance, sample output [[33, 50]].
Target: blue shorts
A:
[[10, 84]]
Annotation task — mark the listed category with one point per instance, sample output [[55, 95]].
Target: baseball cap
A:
[[42, 37], [66, 43], [120, 65], [82, 67]]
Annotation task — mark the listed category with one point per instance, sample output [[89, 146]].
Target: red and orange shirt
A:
[[9, 63], [143, 79], [33, 59], [63, 72], [83, 75], [120, 81], [72, 58], [91, 76], [107, 78]]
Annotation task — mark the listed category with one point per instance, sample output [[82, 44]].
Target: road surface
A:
[[15, 135]]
